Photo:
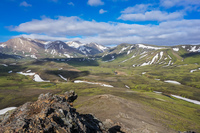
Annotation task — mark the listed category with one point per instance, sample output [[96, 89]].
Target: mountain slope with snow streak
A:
[[36, 49]]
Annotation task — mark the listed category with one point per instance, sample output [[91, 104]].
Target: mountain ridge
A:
[[140, 54], [33, 48]]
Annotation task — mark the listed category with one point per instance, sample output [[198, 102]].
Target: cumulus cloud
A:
[[152, 16], [139, 8], [63, 28], [95, 2], [71, 26], [24, 3], [46, 37], [187, 4], [101, 11]]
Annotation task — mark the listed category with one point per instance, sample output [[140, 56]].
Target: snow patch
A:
[[100, 47], [10, 71], [143, 56], [113, 58], [143, 53], [26, 74], [62, 77], [169, 63], [53, 51], [21, 41], [82, 48], [67, 55], [132, 57], [128, 59], [187, 99], [127, 86], [194, 70], [2, 45], [80, 81], [33, 56], [4, 65], [161, 55], [157, 92], [37, 78], [124, 60], [170, 57], [193, 49], [74, 44], [3, 111], [176, 49], [171, 81], [154, 58], [28, 71], [183, 46], [146, 63], [61, 46], [47, 44], [124, 48], [149, 47]]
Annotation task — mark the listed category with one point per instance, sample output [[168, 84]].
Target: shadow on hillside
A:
[[115, 129], [190, 54], [7, 70], [7, 56], [92, 124], [75, 61], [68, 74]]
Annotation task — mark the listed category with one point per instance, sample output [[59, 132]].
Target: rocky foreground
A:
[[52, 113]]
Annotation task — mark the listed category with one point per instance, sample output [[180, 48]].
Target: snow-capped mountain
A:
[[138, 55], [75, 44], [34, 48], [87, 49]]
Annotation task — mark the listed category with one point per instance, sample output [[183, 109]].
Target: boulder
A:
[[51, 114]]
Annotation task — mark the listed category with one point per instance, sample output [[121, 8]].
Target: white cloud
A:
[[165, 33], [139, 8], [188, 4], [71, 26], [24, 3], [71, 3], [101, 11], [152, 16], [46, 37], [95, 2]]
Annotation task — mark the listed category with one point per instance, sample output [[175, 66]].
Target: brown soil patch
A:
[[131, 115], [120, 73]]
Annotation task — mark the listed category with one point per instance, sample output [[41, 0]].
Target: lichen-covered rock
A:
[[51, 114]]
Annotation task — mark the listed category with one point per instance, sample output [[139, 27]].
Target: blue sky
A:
[[108, 22]]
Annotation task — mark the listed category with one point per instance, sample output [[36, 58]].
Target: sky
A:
[[107, 22]]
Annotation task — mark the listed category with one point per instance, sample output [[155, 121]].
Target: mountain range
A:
[[137, 86], [33, 48], [130, 54]]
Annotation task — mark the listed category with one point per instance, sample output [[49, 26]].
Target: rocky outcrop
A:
[[51, 113]]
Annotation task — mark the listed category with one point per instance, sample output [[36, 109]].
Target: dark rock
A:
[[71, 96], [52, 114]]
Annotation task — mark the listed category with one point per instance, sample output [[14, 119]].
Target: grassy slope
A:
[[171, 112], [174, 113]]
